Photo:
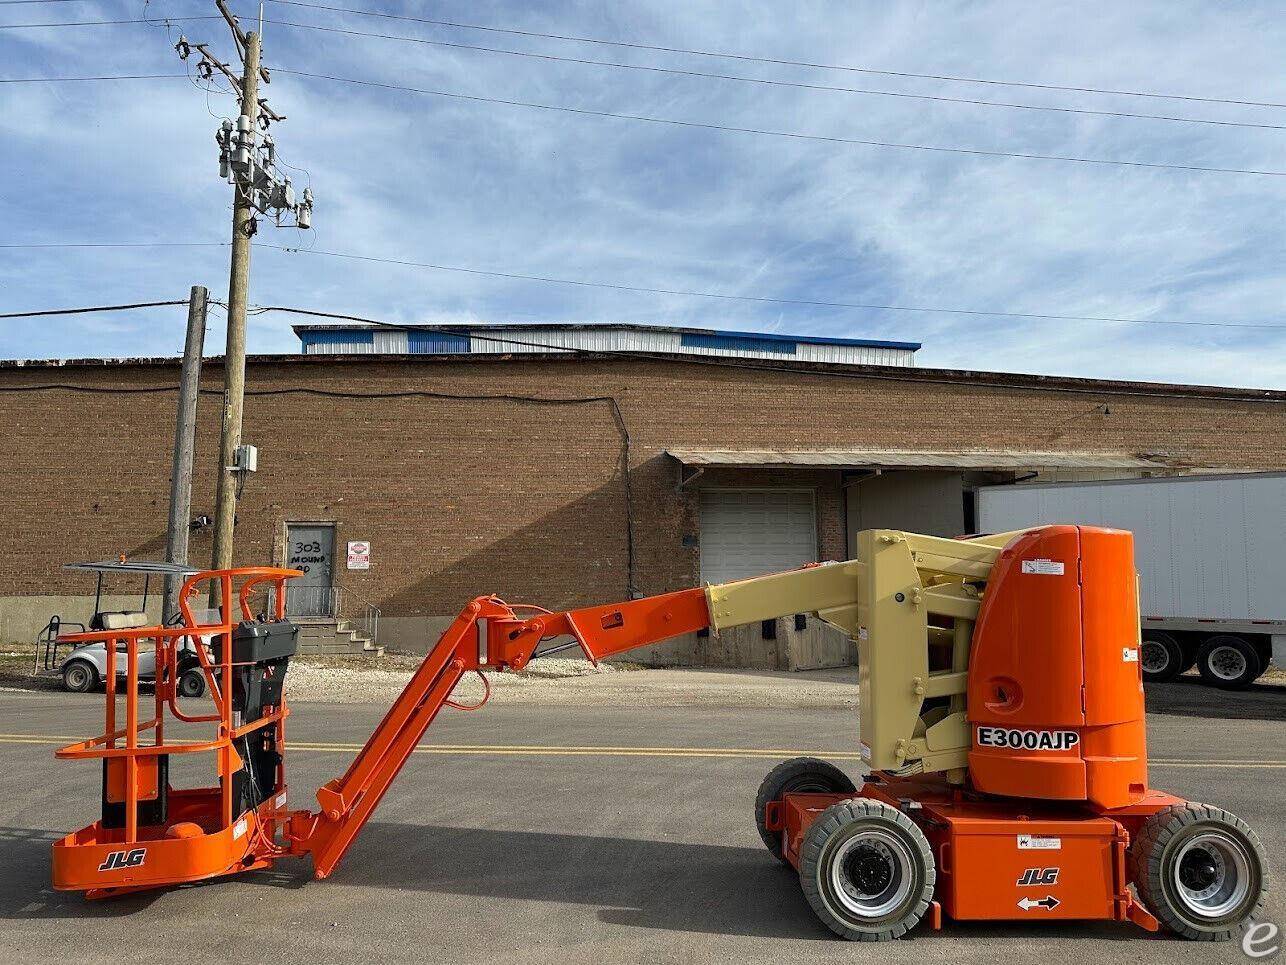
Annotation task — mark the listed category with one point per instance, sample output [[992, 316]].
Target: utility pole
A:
[[176, 546], [248, 161], [234, 359]]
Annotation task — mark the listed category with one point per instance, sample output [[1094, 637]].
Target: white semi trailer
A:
[[1209, 551]]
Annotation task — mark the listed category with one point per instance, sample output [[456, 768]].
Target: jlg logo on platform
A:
[[1039, 876], [123, 859]]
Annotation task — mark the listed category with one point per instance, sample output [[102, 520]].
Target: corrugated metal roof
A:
[[535, 327], [921, 459]]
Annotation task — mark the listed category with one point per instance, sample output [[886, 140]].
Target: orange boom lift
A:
[[1001, 713]]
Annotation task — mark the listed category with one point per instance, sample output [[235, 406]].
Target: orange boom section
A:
[[487, 633]]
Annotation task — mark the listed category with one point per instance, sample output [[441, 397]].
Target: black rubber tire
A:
[[797, 775], [1214, 647], [79, 676], [1160, 844], [192, 683], [1163, 653], [823, 845]]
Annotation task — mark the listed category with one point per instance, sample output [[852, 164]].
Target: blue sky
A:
[[453, 182]]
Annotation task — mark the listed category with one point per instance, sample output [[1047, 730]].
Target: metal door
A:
[[311, 548], [749, 532]]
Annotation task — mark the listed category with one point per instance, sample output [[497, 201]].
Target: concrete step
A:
[[331, 636]]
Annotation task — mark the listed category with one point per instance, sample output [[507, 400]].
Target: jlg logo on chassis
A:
[[1039, 876], [123, 859], [1028, 740]]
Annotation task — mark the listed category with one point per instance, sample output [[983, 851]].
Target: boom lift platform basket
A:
[[1001, 715]]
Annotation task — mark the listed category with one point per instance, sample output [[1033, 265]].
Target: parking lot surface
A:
[[567, 834]]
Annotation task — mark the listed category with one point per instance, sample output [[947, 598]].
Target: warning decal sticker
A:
[[1043, 567], [1030, 842]]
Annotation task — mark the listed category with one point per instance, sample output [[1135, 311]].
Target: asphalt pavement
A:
[[566, 834]]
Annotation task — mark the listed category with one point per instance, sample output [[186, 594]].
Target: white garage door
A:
[[752, 532]]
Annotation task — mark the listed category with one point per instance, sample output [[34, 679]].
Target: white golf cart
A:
[[82, 669]]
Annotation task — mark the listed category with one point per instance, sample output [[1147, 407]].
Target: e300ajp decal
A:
[[1028, 740]]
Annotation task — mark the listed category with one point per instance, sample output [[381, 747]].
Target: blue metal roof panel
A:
[[337, 336], [819, 339], [744, 342]]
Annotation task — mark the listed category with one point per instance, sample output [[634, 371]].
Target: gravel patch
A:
[[577, 682]]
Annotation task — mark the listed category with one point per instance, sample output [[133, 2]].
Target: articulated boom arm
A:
[[912, 577], [490, 634]]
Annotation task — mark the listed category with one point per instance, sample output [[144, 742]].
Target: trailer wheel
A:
[[1201, 870], [867, 870], [79, 676], [1228, 662], [1161, 657], [799, 775]]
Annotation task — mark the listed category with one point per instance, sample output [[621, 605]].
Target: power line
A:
[[810, 303], [692, 73], [793, 135], [580, 283], [94, 308], [774, 83], [63, 80], [776, 60], [102, 23], [120, 244]]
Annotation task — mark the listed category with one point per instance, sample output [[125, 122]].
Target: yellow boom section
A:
[[910, 603]]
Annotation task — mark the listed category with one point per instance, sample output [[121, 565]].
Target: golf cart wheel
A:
[[191, 682], [1161, 657], [799, 775], [867, 870], [1228, 662], [79, 676], [1200, 870]]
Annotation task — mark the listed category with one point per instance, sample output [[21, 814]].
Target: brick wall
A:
[[464, 496]]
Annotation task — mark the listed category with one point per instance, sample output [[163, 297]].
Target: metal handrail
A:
[[333, 602], [370, 618], [311, 601]]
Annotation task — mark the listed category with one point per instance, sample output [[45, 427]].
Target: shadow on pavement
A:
[[664, 885], [25, 891], [1190, 697]]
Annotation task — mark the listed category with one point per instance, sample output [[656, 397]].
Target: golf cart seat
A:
[[118, 620]]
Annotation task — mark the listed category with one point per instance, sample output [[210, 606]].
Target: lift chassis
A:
[[1001, 720]]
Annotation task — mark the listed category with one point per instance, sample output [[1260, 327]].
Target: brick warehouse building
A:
[[479, 473]]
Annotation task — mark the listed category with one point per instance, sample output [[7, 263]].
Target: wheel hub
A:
[[1156, 658], [871, 874], [870, 870], [1227, 663], [1212, 875], [1198, 871]]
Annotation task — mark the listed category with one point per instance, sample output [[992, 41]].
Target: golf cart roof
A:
[[146, 567]]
